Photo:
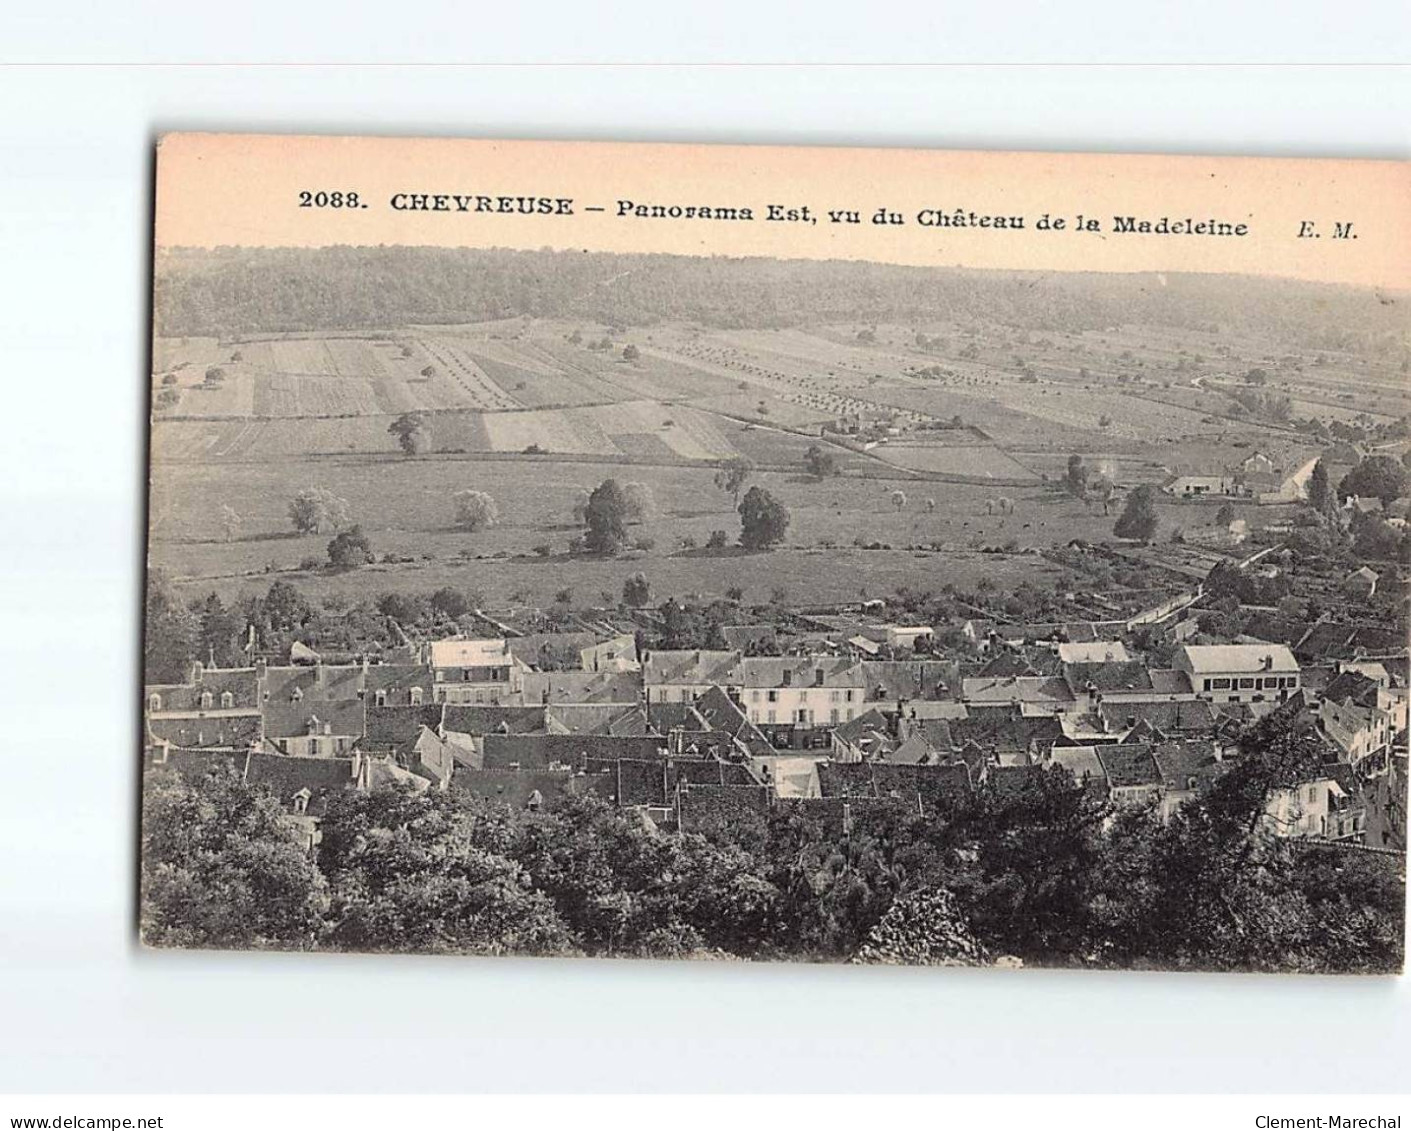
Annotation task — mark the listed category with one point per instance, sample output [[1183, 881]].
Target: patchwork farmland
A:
[[943, 441]]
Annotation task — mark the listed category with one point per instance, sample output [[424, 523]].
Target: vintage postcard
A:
[[780, 554]]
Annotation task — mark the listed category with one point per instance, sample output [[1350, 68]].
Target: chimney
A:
[[198, 669], [1269, 663], [818, 677], [261, 668]]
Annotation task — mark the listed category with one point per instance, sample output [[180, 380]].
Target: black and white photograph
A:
[[515, 591]]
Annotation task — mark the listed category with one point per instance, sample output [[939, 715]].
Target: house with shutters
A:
[[1239, 673], [475, 671]]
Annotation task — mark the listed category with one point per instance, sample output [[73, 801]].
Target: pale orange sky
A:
[[242, 190]]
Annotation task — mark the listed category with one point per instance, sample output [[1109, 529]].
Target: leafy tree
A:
[[1225, 515], [764, 520], [717, 540], [898, 499], [1320, 492], [169, 632], [215, 375], [412, 431], [475, 510], [427, 873], [1378, 477], [640, 504], [1138, 518], [1076, 479], [404, 608], [223, 867], [636, 591], [168, 398], [630, 353], [218, 638], [449, 602], [922, 928], [230, 522], [606, 518], [732, 476], [316, 509], [820, 462], [350, 549]]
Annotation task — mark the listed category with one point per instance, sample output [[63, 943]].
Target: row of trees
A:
[[610, 506], [1048, 874]]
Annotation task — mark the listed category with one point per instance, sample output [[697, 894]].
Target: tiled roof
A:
[[1216, 658], [537, 751], [800, 671], [290, 720], [393, 727], [320, 681], [213, 730], [1129, 676], [285, 775], [1017, 689], [695, 667], [478, 719], [581, 687], [547, 650], [1006, 731], [1168, 717], [890, 680], [1129, 765]]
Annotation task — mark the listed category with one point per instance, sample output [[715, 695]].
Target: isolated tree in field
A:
[[1138, 518], [316, 509], [449, 602], [230, 521], [1225, 515], [475, 510], [215, 375], [717, 540], [1377, 477], [1104, 421], [428, 371], [820, 462], [606, 518], [930, 505], [732, 476], [412, 432], [630, 353], [350, 549], [168, 398], [640, 504], [764, 520], [898, 500], [1006, 504], [1076, 481], [636, 591]]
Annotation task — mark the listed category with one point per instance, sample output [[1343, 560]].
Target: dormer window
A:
[[416, 696], [381, 698], [154, 702], [301, 800], [227, 700], [206, 700], [296, 694]]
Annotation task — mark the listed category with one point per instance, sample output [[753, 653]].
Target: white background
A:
[[82, 1009]]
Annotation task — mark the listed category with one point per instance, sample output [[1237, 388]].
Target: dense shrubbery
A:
[[1047, 875]]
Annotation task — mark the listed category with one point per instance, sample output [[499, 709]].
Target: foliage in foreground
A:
[[1049, 875]]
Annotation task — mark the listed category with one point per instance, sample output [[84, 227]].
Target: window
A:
[[1220, 684], [381, 697], [1208, 682], [834, 696], [206, 700], [773, 697], [227, 700], [1246, 682], [802, 716], [440, 675], [416, 696], [833, 716], [770, 715], [1312, 793], [849, 698], [754, 695], [154, 702]]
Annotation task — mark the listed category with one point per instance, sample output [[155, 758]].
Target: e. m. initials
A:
[[1342, 230]]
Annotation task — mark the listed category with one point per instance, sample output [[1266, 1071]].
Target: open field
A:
[[528, 412]]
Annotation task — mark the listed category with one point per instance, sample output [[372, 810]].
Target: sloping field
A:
[[974, 461]]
